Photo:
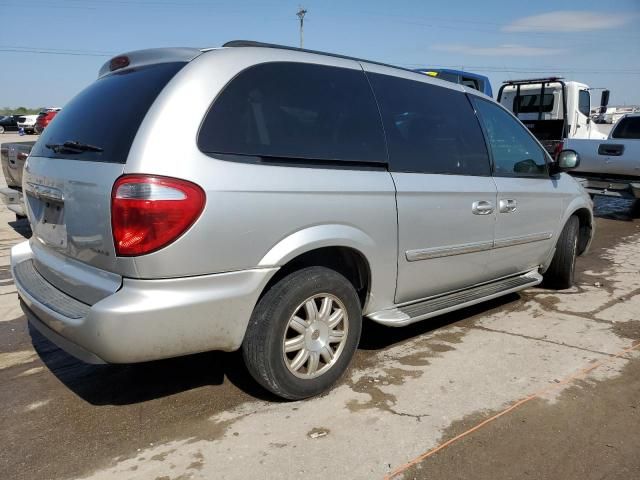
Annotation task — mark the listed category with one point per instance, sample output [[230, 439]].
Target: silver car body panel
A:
[[417, 232], [151, 319]]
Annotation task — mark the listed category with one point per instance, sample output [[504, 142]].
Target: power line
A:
[[52, 52], [63, 50]]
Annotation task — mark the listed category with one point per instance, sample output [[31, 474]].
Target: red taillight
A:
[[22, 156], [557, 150], [149, 212]]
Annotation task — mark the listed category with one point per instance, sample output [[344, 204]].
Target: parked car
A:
[[468, 79], [299, 192], [13, 157], [611, 167], [27, 123], [8, 123], [44, 118]]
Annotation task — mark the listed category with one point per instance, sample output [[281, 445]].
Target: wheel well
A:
[[347, 261], [585, 229]]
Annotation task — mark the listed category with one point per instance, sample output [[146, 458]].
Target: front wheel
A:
[[561, 272], [303, 333]]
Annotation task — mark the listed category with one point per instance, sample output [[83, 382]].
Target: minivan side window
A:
[[628, 127], [430, 129], [584, 102], [515, 152], [296, 111]]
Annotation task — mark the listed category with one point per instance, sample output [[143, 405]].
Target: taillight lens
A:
[[150, 212], [557, 150], [22, 156]]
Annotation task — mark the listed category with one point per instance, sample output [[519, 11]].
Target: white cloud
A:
[[512, 50], [569, 21]]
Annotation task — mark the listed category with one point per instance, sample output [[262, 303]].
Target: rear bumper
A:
[[610, 187], [13, 200], [145, 319]]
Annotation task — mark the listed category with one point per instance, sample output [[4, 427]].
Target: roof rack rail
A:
[[533, 80], [252, 43]]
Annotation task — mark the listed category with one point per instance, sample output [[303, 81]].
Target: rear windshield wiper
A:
[[73, 147]]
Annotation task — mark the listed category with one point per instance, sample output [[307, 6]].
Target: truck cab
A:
[[467, 79], [553, 109]]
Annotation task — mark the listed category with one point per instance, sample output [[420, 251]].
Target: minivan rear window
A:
[[107, 114], [297, 112]]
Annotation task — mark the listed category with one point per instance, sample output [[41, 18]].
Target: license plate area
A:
[[50, 224]]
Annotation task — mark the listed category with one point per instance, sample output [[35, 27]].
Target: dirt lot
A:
[[566, 360]]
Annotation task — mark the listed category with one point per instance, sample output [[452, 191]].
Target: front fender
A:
[[582, 202]]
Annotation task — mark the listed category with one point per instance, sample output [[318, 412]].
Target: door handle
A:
[[508, 206], [482, 207]]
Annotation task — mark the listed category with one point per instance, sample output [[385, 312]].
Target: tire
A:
[[561, 272], [1, 129], [291, 375]]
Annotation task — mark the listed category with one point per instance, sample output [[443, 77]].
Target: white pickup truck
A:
[[611, 167]]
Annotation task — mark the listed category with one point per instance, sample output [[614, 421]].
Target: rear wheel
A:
[[303, 333], [561, 272]]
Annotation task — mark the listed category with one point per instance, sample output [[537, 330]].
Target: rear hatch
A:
[[72, 169]]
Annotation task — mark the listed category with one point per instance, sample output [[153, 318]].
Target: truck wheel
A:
[[560, 273], [303, 333]]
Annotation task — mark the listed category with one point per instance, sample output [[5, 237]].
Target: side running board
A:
[[431, 307]]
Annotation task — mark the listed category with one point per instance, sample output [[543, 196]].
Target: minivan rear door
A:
[[73, 166]]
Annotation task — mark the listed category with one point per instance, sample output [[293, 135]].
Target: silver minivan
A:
[[266, 198]]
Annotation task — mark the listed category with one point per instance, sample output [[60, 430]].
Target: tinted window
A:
[[628, 127], [584, 102], [514, 150], [531, 103], [107, 114], [296, 110], [449, 77], [430, 129], [471, 82]]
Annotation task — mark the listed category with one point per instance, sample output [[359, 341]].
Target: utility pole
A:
[[301, 13]]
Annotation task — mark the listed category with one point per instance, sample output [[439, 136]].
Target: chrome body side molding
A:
[[520, 240], [438, 252]]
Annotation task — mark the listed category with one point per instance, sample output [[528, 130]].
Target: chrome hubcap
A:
[[315, 336]]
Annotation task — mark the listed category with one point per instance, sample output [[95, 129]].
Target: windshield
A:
[[106, 115]]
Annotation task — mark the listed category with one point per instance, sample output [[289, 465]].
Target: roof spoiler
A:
[[150, 56]]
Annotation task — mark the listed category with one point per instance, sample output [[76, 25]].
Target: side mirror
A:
[[604, 98], [566, 160]]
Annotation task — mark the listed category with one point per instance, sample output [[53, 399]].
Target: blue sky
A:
[[596, 42]]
